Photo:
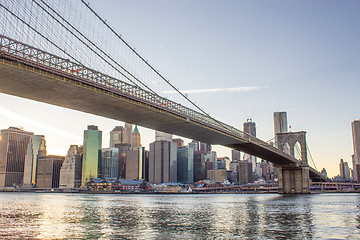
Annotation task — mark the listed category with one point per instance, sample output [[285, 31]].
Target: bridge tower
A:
[[293, 178]]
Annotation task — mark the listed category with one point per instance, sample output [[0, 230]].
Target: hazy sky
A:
[[237, 60]]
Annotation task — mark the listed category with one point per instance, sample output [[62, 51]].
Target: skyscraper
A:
[[199, 165], [135, 163], [128, 133], [235, 155], [13, 146], [136, 139], [250, 128], [48, 171], [324, 173], [117, 136], [200, 146], [245, 172], [195, 145], [70, 172], [234, 169], [109, 163], [185, 165], [210, 162], [354, 175], [123, 149], [179, 142], [162, 162], [92, 146], [36, 146], [342, 168], [162, 136], [355, 127]]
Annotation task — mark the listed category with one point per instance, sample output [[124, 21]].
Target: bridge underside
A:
[[33, 83]]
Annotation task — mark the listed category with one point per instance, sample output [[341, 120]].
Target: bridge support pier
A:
[[293, 179]]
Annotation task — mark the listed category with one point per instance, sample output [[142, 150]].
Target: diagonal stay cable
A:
[[307, 147], [87, 45], [47, 39], [152, 68]]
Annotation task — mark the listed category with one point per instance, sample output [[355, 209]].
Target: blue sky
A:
[[303, 57]]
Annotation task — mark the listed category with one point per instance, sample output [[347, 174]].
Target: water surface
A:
[[197, 216]]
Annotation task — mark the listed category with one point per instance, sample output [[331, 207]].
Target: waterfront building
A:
[[199, 165], [355, 127], [217, 175], [135, 163], [245, 172], [13, 148], [70, 172], [36, 146], [185, 165], [109, 163], [128, 133], [162, 161], [48, 172], [117, 136], [179, 142], [136, 139], [92, 146]]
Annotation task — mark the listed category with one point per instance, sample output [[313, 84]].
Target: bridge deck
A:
[[30, 80]]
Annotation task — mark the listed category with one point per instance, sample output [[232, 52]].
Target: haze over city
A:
[[237, 60]]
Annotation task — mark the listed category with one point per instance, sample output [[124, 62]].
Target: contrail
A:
[[217, 90], [7, 113]]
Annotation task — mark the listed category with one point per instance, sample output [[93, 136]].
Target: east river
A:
[[194, 216]]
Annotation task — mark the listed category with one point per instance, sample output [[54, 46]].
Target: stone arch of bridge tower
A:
[[288, 140]]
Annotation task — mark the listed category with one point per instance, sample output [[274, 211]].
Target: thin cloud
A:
[[9, 114], [218, 90]]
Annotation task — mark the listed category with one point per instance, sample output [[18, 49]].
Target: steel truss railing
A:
[[64, 66]]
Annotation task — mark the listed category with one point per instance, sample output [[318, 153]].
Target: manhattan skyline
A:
[[237, 60]]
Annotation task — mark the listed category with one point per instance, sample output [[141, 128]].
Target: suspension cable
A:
[[47, 39], [151, 67], [307, 147], [87, 45]]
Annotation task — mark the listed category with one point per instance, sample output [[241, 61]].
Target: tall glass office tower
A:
[[91, 155]]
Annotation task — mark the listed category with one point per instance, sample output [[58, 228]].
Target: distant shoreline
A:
[[81, 191]]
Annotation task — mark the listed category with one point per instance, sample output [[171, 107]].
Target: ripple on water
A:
[[201, 216]]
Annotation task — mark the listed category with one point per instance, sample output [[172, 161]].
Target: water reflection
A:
[[229, 216]]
